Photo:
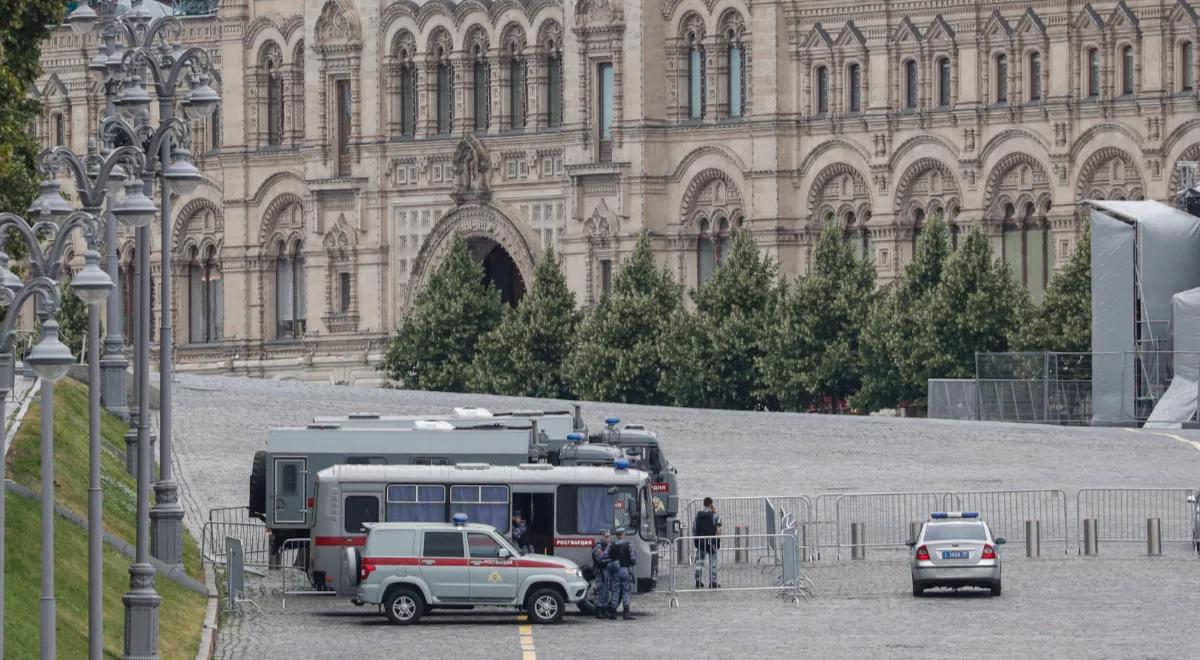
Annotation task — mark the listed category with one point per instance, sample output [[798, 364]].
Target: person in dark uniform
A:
[[600, 561], [622, 558], [707, 526], [520, 533]]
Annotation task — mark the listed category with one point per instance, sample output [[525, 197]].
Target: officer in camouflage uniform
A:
[[622, 558], [600, 562]]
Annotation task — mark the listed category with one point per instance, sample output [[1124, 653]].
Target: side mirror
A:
[[504, 553], [1000, 540], [910, 543]]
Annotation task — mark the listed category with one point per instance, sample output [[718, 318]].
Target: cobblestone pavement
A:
[[1120, 606]]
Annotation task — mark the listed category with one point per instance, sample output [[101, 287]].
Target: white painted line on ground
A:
[[1194, 444]]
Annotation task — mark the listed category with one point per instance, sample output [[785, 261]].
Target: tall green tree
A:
[[711, 355], [616, 355], [436, 342], [977, 307], [22, 31], [893, 352], [524, 355], [812, 346], [1063, 322]]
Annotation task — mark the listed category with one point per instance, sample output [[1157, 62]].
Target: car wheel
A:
[[544, 606], [404, 606], [995, 588], [918, 590]]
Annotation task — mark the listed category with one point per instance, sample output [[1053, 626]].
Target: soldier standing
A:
[[622, 558], [600, 561], [520, 533], [707, 528]]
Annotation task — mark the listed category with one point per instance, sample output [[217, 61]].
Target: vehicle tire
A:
[[918, 590], [995, 589], [351, 567], [544, 605], [404, 606], [258, 486]]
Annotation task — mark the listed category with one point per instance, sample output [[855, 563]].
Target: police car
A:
[[411, 568], [955, 550]]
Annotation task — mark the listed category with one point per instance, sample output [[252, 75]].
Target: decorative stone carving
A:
[[472, 169]]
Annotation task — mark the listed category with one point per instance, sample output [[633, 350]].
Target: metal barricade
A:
[[1121, 513], [232, 514], [756, 515], [256, 542], [885, 517], [772, 563], [1006, 512], [294, 579], [821, 531]]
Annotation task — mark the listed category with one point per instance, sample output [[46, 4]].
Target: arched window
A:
[[406, 95], [214, 130], [822, 90], [205, 297], [1002, 78], [737, 83], [943, 68], [274, 106], [695, 78], [855, 91], [1186, 67], [1127, 70], [481, 88], [1035, 76], [554, 86], [444, 91], [910, 84], [1093, 73], [289, 292], [1024, 245], [706, 254], [516, 89], [59, 127], [917, 226]]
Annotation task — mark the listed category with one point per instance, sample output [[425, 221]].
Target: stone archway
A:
[[494, 240]]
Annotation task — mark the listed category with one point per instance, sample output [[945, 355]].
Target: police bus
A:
[[566, 508], [564, 440]]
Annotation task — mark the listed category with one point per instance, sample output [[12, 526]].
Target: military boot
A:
[[626, 615], [601, 612], [612, 614]]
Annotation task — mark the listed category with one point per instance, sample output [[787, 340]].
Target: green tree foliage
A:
[[1063, 322], [616, 355], [893, 351], [812, 345], [977, 307], [21, 34], [711, 355], [72, 321], [436, 342], [524, 355]]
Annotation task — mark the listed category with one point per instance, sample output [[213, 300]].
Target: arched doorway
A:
[[494, 241], [499, 269]]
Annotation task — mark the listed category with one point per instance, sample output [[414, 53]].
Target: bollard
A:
[[1091, 545], [741, 553], [681, 552], [1154, 537], [858, 534], [1033, 538]]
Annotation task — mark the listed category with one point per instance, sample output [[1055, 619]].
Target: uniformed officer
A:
[[520, 532], [600, 561], [622, 558]]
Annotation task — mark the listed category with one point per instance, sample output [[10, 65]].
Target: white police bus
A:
[[566, 508]]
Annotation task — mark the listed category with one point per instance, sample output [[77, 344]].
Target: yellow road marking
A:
[[1192, 443], [528, 652]]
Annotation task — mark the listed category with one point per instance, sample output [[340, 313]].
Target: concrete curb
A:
[[212, 625]]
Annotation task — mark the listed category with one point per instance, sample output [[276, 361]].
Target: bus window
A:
[[359, 509], [411, 503], [597, 510], [482, 504]]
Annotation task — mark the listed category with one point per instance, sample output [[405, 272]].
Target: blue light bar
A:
[[621, 464], [574, 437], [942, 515], [612, 421], [459, 519]]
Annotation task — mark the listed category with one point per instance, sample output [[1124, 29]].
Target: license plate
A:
[[955, 554]]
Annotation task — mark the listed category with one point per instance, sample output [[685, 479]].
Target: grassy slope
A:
[[181, 610]]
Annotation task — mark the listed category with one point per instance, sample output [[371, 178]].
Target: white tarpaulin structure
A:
[[1178, 403], [1143, 253]]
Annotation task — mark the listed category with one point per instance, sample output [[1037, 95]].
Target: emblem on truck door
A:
[[495, 577]]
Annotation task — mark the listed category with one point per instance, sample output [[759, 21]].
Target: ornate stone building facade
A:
[[356, 137]]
